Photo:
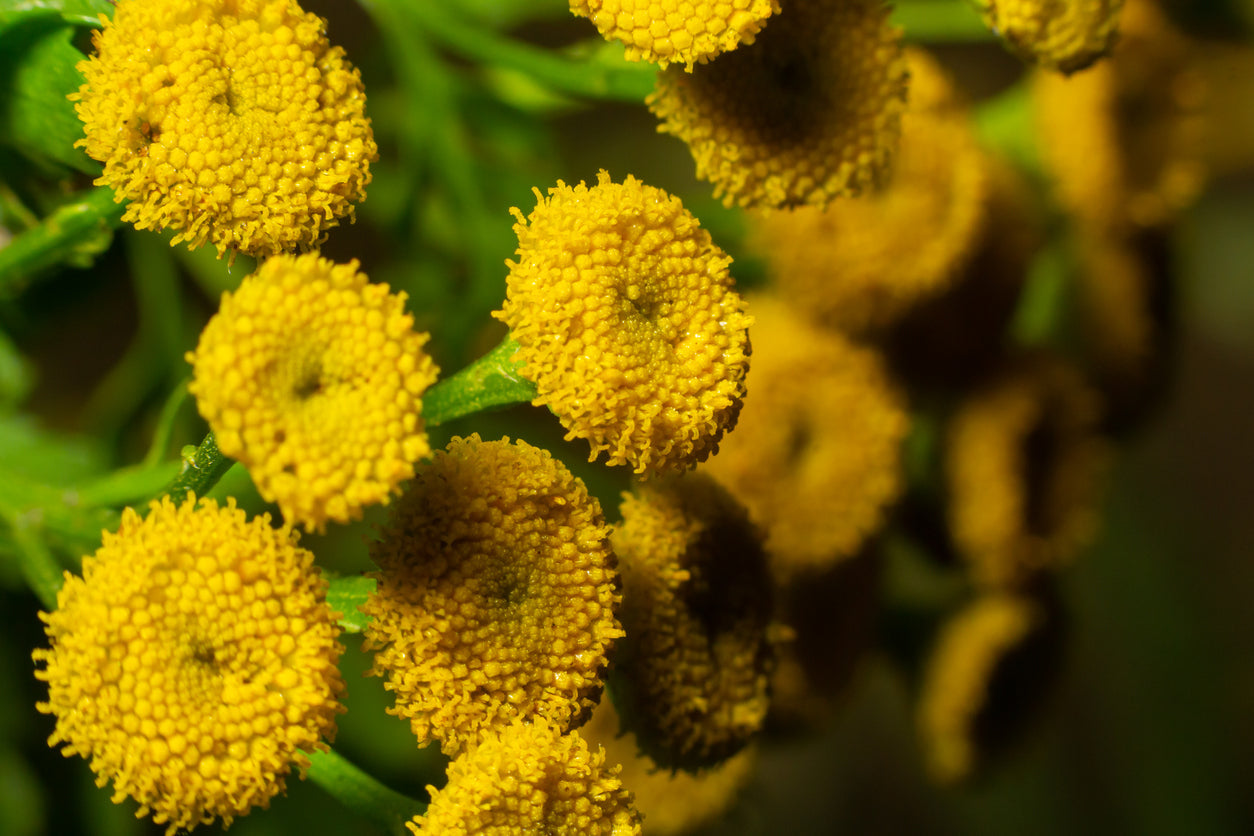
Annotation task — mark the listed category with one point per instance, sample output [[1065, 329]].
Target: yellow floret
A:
[[677, 31], [808, 113], [496, 597], [194, 662], [1061, 35], [529, 778], [697, 608], [312, 377], [231, 121], [627, 323]]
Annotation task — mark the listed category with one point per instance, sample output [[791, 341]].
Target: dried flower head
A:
[[697, 608], [627, 323], [666, 31], [231, 121], [817, 458], [496, 596], [312, 377], [1023, 467], [846, 265], [1060, 36], [526, 778], [194, 662], [808, 113]]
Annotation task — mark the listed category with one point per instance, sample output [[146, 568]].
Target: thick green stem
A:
[[361, 792], [201, 471], [941, 21], [490, 382], [55, 239]]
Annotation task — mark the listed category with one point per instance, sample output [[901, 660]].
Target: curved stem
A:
[[201, 471], [55, 239], [941, 21], [490, 382], [361, 792]]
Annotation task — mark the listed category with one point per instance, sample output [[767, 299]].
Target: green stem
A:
[[54, 240], [599, 78], [941, 22], [201, 471], [43, 574], [490, 382], [165, 424], [361, 792]]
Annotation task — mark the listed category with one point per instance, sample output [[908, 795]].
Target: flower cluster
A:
[[1064, 37]]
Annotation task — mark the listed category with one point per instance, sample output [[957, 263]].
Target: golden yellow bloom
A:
[[697, 607], [665, 31], [194, 662], [808, 113], [312, 378], [991, 665], [496, 597], [1064, 36], [846, 265], [231, 121], [1125, 141], [671, 803], [627, 323], [527, 778], [817, 457], [1023, 466]]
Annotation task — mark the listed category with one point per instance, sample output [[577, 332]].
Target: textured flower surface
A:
[[697, 608], [312, 377], [817, 459], [627, 323], [1063, 36], [194, 662], [845, 265], [679, 31], [496, 596], [231, 121], [808, 113], [530, 778]]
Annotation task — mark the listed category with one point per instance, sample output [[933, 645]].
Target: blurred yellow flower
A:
[[1062, 36], [808, 113], [312, 377], [194, 662], [666, 31], [697, 608], [627, 323], [817, 456], [496, 596], [231, 121], [529, 778]]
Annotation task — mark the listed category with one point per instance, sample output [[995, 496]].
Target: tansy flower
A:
[[312, 378], [990, 668], [808, 113], [671, 803], [817, 458], [1064, 36], [1125, 142], [496, 595], [526, 778], [697, 607], [231, 121], [665, 31], [627, 323], [1023, 468], [845, 265], [194, 662]]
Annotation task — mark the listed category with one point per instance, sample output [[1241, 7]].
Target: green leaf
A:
[[346, 596], [82, 12]]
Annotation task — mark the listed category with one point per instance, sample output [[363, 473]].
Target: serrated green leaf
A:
[[346, 595]]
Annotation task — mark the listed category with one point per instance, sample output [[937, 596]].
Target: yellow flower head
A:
[[627, 323], [527, 778], [194, 662], [1126, 141], [989, 668], [231, 121], [846, 264], [697, 607], [1023, 465], [312, 377], [817, 457], [672, 803], [665, 31], [496, 597], [808, 113], [1063, 36]]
